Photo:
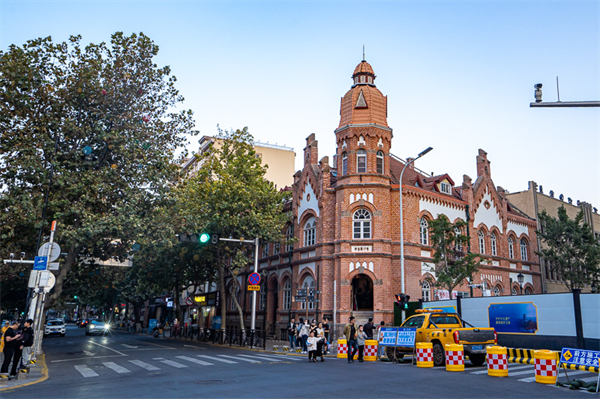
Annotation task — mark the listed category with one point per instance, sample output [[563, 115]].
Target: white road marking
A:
[[529, 366], [83, 358], [197, 361], [240, 358], [129, 346], [158, 358], [273, 359], [86, 371], [144, 365], [192, 346], [282, 357], [521, 372], [531, 379], [89, 353], [173, 364], [217, 359], [510, 369], [110, 349], [116, 367]]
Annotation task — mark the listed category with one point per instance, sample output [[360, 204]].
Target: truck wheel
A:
[[389, 352], [439, 355], [477, 360]]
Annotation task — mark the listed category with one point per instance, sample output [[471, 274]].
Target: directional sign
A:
[[254, 288], [40, 263], [301, 292], [45, 251], [254, 279], [299, 298]]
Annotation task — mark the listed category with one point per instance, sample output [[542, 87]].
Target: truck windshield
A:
[[415, 321], [444, 320]]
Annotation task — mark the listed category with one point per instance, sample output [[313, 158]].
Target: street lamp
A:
[[521, 278], [594, 288], [403, 286]]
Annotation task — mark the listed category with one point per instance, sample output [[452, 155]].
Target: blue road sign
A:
[[388, 336], [580, 357], [254, 279], [40, 263], [406, 336]]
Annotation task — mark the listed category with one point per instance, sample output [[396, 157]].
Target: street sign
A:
[[53, 266], [313, 291], [45, 251], [50, 282], [189, 301], [579, 357], [301, 292], [310, 298], [300, 298], [40, 263], [254, 288], [254, 279], [406, 336], [397, 336]]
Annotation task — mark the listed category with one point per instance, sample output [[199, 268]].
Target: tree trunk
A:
[[237, 305], [52, 299], [223, 297]]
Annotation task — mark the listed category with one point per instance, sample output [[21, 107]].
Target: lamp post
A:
[[403, 286], [520, 278]]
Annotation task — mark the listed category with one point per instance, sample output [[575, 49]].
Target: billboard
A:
[[513, 318]]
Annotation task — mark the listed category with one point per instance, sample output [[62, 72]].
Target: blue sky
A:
[[459, 76]]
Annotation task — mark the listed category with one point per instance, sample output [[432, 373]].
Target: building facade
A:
[[533, 201], [345, 221]]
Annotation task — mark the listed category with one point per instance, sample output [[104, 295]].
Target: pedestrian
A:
[[321, 340], [304, 335], [312, 347], [361, 336], [27, 343], [2, 331], [298, 336], [326, 330], [380, 348], [368, 328], [350, 334], [12, 350], [292, 333]]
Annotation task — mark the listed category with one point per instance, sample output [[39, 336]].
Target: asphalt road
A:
[[133, 366]]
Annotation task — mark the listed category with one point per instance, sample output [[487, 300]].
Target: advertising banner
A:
[[513, 318]]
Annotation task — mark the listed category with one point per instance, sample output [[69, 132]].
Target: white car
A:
[[55, 327]]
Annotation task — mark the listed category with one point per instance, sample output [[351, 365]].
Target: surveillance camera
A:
[[538, 86], [12, 256], [22, 255]]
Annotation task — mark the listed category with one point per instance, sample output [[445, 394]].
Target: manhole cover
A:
[[205, 382]]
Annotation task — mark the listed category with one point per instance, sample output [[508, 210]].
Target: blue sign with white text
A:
[[387, 336], [580, 357], [406, 336], [513, 318], [40, 263]]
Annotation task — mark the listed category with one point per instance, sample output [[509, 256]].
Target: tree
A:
[[102, 118], [453, 264], [231, 197], [569, 248]]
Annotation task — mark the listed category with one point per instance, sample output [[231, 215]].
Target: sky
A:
[[459, 75]]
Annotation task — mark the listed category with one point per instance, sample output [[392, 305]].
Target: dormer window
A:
[[445, 188], [370, 79], [362, 79]]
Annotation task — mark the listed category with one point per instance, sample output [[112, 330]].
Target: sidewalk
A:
[[38, 372]]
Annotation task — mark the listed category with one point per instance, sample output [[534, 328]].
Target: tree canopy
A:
[[104, 117], [569, 248]]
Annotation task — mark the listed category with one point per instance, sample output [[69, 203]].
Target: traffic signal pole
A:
[[253, 322]]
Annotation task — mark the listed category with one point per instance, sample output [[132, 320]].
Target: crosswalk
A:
[[179, 362]]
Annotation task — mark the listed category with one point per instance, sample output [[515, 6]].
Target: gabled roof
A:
[[414, 178]]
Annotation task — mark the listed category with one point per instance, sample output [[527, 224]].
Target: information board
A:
[[406, 336], [388, 336], [580, 357]]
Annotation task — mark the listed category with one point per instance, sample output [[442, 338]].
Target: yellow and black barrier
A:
[[591, 369], [520, 355]]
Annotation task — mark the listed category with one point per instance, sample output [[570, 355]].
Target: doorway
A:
[[362, 293]]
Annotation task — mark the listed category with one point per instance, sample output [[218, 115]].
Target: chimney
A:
[[412, 165], [311, 152], [483, 165]]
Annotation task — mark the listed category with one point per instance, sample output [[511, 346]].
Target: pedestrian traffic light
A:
[[402, 301], [208, 239]]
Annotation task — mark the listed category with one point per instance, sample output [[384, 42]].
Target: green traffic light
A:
[[75, 296], [204, 237]]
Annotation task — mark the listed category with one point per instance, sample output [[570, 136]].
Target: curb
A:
[[41, 361]]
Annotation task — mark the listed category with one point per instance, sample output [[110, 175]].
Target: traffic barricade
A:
[[370, 354], [455, 357], [424, 354], [546, 368], [497, 361], [342, 348]]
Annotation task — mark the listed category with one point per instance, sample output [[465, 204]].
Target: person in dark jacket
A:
[[368, 328], [27, 343], [12, 350]]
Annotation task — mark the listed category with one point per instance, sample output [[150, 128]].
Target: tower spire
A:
[[364, 52]]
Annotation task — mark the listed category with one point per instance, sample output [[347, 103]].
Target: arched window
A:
[[362, 224], [481, 242], [514, 291], [289, 236], [426, 290], [493, 244], [497, 290], [424, 231], [457, 243], [361, 161], [276, 248], [310, 232], [528, 291], [344, 163], [380, 163], [523, 249], [511, 248], [262, 303], [309, 283], [265, 251], [287, 294]]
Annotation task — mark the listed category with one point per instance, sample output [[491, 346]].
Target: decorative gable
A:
[[361, 103], [487, 212], [307, 201]]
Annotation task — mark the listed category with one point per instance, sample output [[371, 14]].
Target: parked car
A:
[[55, 327], [97, 327]]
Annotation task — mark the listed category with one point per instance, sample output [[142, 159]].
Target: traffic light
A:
[[200, 238], [402, 301]]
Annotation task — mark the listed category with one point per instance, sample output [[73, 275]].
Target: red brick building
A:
[[346, 223]]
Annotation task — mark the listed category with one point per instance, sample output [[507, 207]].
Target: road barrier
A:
[[370, 354], [342, 349], [520, 355], [424, 354], [455, 357], [546, 368], [497, 361]]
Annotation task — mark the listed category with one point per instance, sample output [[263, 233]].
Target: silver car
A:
[[97, 327]]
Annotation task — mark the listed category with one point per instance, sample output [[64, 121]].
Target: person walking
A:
[[361, 336], [292, 333], [369, 328], [12, 350], [326, 331], [350, 334], [27, 343], [321, 340], [304, 335], [312, 347], [380, 348]]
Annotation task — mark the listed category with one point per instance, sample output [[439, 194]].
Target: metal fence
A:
[[233, 336]]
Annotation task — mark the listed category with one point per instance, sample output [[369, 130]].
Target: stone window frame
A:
[[364, 224], [361, 155], [423, 231], [481, 240], [511, 247], [289, 236], [524, 249], [494, 244], [310, 232], [344, 163], [380, 162], [287, 294]]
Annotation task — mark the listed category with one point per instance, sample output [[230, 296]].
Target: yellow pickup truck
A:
[[441, 328]]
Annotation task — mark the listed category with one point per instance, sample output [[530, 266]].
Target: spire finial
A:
[[363, 52]]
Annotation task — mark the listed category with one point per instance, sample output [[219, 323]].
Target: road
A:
[[123, 365]]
